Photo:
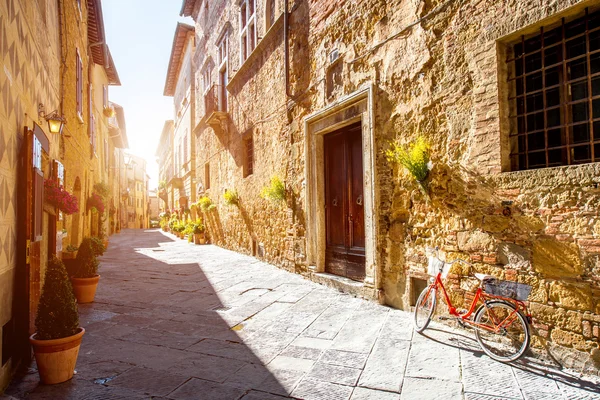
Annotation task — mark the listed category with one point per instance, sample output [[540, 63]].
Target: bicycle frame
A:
[[480, 294]]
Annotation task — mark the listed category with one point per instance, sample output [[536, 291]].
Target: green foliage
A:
[[86, 260], [275, 191], [162, 185], [98, 246], [57, 315], [102, 189], [231, 197], [415, 157], [206, 204], [71, 249], [188, 228]]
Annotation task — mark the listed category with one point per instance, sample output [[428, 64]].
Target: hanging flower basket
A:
[[57, 197], [95, 202]]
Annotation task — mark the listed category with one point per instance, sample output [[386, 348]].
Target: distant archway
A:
[[76, 219]]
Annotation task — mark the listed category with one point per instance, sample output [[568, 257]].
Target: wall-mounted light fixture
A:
[[55, 121]]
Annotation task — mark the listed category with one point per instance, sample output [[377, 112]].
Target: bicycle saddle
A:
[[482, 277]]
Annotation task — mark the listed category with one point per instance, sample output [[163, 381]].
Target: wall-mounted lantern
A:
[[55, 121]]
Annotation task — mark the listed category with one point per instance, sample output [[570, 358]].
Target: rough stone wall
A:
[[256, 112], [436, 69], [30, 63]]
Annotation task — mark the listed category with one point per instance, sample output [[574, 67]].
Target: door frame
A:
[[352, 108]]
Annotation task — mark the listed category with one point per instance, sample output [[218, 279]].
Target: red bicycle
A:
[[501, 322]]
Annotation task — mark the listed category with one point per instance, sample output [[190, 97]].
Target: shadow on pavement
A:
[[465, 340], [156, 330]]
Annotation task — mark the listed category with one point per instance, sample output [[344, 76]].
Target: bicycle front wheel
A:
[[512, 337], [425, 308]]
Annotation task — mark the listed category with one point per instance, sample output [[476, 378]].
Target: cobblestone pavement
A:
[[177, 321]]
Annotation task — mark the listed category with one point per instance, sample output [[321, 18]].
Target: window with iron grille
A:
[[248, 156], [554, 94]]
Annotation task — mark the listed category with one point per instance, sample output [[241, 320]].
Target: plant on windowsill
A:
[[415, 158], [58, 197], [85, 279], [57, 340], [69, 253], [231, 197], [109, 112], [275, 191], [95, 203]]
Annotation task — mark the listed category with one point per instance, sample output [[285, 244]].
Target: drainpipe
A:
[[286, 47]]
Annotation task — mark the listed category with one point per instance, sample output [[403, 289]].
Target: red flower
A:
[[96, 202], [60, 198]]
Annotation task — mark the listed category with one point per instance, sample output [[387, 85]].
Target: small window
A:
[[270, 10], [105, 96], [248, 156], [554, 84], [207, 176], [247, 28], [79, 85]]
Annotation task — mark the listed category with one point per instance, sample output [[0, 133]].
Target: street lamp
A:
[[55, 121]]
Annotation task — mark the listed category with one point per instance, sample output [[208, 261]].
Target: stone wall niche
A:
[[350, 109]]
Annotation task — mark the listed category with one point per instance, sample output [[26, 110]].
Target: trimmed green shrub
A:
[[87, 263], [57, 315], [98, 246]]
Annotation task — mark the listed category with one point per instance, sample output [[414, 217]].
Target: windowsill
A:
[[581, 175], [80, 118], [246, 65]]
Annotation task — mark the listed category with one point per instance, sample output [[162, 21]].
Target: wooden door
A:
[[29, 214], [344, 214]]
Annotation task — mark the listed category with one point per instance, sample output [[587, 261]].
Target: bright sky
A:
[[140, 34]]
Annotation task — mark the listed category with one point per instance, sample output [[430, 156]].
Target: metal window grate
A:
[[554, 93]]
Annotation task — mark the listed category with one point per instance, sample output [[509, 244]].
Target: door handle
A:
[[359, 200], [334, 202]]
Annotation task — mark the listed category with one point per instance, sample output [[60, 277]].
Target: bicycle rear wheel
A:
[[512, 339], [424, 308]]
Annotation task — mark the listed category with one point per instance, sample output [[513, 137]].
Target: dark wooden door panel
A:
[[345, 233]]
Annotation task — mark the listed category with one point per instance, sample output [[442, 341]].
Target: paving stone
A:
[[151, 382], [534, 386], [302, 352], [225, 349], [361, 393], [483, 376], [312, 343], [206, 367], [281, 382], [310, 388], [257, 395], [194, 388], [344, 358], [579, 390], [290, 363], [335, 374], [385, 366], [360, 332], [425, 389], [430, 359]]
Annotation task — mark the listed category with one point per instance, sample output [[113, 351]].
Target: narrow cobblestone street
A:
[[178, 321]]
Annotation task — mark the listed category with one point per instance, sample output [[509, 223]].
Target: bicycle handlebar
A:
[[437, 249]]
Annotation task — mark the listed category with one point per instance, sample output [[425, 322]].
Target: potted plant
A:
[[199, 232], [56, 196], [231, 197], [85, 279], [109, 111], [275, 191], [58, 337], [69, 253]]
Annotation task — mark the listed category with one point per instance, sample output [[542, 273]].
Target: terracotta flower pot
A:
[[85, 288], [56, 358], [199, 238]]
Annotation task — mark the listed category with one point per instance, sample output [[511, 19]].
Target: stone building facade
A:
[[181, 86], [55, 63], [504, 93], [136, 192], [164, 155]]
